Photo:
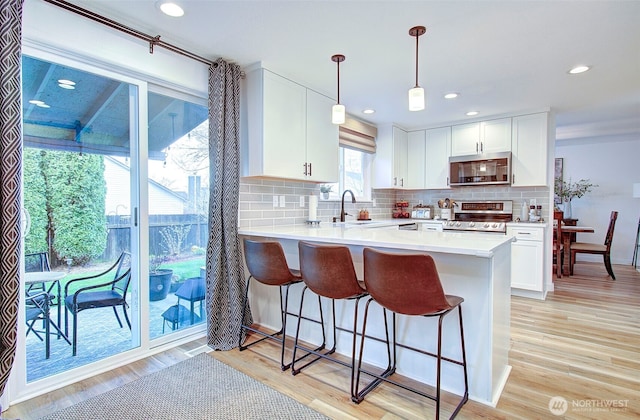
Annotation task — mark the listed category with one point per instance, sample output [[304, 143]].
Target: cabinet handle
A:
[[513, 179], [476, 147], [523, 233], [481, 147], [309, 168], [448, 181], [395, 180], [402, 182], [305, 169]]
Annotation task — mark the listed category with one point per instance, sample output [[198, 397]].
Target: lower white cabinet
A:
[[527, 258]]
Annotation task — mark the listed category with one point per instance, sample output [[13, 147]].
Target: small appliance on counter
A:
[[400, 210], [422, 212]]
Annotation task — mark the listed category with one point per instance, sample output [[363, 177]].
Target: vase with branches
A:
[[567, 191]]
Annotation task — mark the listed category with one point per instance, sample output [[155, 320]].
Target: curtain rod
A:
[[152, 40]]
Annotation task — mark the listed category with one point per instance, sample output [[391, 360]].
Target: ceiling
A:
[[502, 57]]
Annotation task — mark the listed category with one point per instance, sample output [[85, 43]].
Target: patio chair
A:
[[111, 293], [37, 308]]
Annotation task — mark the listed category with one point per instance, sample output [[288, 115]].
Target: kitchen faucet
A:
[[353, 200]]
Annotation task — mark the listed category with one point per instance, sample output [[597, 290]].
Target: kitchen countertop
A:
[[385, 234]]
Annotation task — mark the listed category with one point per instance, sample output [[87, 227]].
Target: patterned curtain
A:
[[10, 168], [225, 274]]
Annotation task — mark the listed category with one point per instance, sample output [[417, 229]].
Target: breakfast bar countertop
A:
[[385, 234]]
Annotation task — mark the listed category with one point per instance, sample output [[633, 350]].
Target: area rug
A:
[[197, 388]]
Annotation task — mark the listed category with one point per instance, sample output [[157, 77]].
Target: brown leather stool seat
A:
[[408, 284], [328, 271], [267, 264]]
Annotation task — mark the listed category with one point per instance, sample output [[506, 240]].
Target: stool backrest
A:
[[404, 283], [328, 270], [266, 262]]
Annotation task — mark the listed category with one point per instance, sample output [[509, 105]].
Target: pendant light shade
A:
[[416, 94], [338, 111]]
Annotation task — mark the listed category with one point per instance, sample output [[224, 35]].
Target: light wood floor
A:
[[582, 343]]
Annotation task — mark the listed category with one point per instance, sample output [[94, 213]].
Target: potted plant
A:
[[159, 278], [567, 191], [325, 189]]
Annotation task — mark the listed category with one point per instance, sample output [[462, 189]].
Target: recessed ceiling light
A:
[[368, 111], [579, 69], [36, 102], [451, 95], [171, 9], [472, 113], [67, 82]]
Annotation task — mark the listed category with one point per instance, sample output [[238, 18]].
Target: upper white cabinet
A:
[[288, 128], [416, 160], [390, 162], [529, 147], [481, 137], [438, 150]]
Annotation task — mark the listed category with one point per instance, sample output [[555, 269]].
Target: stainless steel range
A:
[[481, 216]]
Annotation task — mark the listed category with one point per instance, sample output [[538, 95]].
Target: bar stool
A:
[[327, 270], [267, 264], [408, 284]]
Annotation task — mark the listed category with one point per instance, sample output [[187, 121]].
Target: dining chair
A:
[[590, 248], [558, 248]]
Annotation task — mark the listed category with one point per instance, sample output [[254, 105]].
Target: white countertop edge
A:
[[478, 245]]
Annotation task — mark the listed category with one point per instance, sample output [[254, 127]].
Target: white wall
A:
[[614, 165]]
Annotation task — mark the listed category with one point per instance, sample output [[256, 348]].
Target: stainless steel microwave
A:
[[485, 169]]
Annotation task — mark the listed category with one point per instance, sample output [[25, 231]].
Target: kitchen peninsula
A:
[[477, 270]]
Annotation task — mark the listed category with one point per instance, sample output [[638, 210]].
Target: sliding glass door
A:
[[178, 167], [115, 188]]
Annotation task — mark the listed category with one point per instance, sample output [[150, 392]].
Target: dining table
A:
[[567, 232], [48, 281]]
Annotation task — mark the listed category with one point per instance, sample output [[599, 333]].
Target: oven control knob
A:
[[495, 225], [458, 224], [451, 223], [486, 225], [472, 224]]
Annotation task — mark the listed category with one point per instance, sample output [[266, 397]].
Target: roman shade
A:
[[357, 135]]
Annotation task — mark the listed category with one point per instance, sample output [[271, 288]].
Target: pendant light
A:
[[416, 94], [338, 111]]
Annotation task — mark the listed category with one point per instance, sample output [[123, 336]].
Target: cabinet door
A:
[[438, 150], [526, 265], [465, 139], [495, 136], [529, 158], [416, 156], [399, 157], [322, 139], [284, 122]]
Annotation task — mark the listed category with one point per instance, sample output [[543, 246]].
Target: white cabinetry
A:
[[529, 146], [289, 131], [416, 155], [527, 260], [390, 163], [438, 150], [481, 137]]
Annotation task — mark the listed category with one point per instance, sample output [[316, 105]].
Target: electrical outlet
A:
[[282, 203], [275, 201], [302, 201]]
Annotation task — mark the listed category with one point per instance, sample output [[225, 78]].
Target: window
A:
[[355, 174]]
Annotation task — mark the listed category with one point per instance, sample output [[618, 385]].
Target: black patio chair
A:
[[37, 309], [111, 293]]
